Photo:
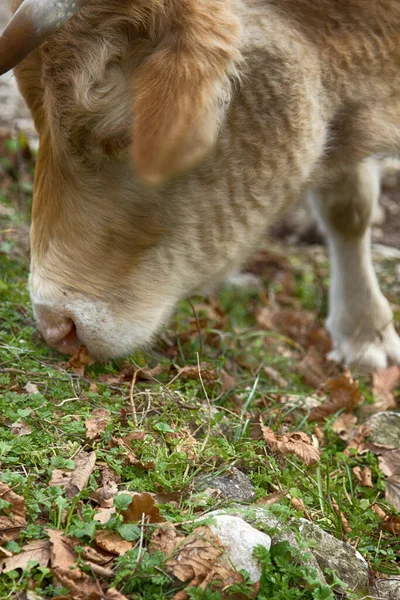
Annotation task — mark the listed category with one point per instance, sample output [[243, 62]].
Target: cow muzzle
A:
[[58, 331]]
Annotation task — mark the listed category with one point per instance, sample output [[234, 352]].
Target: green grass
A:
[[167, 409]]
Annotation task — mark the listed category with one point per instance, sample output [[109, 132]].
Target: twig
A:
[[131, 400], [198, 326], [204, 444]]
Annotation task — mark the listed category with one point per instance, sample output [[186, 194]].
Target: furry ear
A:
[[179, 90]]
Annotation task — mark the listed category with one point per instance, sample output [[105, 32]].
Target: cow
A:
[[173, 133]]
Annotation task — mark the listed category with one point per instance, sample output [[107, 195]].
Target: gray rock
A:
[[232, 485], [239, 540], [385, 428], [387, 589], [336, 555]]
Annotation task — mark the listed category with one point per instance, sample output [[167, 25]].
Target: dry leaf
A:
[[80, 585], [31, 388], [60, 478], [84, 465], [96, 555], [113, 594], [364, 476], [36, 551], [11, 523], [297, 443], [392, 524], [142, 504], [187, 444], [311, 368], [200, 560], [357, 438], [97, 422], [273, 498], [345, 523], [80, 360], [61, 553], [103, 515], [344, 394], [275, 376], [344, 424], [208, 373], [319, 434], [384, 383], [227, 381], [112, 542], [108, 489], [20, 428], [165, 539], [389, 463], [299, 505], [147, 465], [392, 491]]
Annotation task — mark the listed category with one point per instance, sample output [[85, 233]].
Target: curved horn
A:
[[31, 24]]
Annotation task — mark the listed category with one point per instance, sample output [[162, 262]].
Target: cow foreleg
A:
[[360, 318]]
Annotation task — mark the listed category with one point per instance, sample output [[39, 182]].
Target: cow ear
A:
[[179, 90]]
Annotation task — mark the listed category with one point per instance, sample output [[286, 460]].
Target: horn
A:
[[32, 23]]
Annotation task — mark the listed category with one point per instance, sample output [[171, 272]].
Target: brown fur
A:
[[259, 100]]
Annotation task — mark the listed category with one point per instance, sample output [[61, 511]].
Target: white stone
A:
[[239, 540]]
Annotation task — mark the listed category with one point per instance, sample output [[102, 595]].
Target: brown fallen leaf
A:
[[343, 394], [392, 525], [389, 462], [186, 443], [96, 555], [147, 465], [208, 373], [142, 504], [299, 505], [97, 422], [356, 440], [275, 376], [109, 488], [80, 360], [165, 539], [200, 560], [384, 383], [392, 491], [344, 424], [60, 477], [31, 388], [345, 523], [297, 443], [103, 515], [273, 498], [112, 542], [61, 553], [113, 594], [363, 476], [227, 381], [84, 465], [311, 368], [319, 434], [20, 428], [11, 523], [80, 585], [37, 551]]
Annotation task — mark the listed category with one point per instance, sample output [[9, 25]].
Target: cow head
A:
[[126, 96]]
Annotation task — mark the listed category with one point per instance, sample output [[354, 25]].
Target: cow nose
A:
[[58, 331]]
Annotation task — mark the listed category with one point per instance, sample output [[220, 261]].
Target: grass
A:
[[189, 426]]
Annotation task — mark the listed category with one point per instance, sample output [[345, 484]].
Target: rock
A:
[[340, 557], [385, 428], [232, 485], [239, 540], [387, 589], [261, 517]]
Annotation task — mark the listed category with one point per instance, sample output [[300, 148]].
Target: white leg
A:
[[360, 319]]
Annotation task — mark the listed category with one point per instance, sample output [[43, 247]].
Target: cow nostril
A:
[[70, 341], [58, 331]]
